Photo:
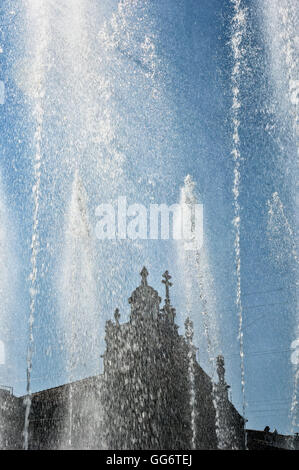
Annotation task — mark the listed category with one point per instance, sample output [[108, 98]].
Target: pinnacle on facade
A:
[[168, 284], [189, 330], [144, 275], [117, 316], [221, 369], [222, 385], [144, 299], [168, 309]]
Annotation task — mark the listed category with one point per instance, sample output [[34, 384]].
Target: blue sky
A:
[[156, 85]]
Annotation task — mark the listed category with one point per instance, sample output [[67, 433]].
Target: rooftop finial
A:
[[189, 331], [168, 284], [221, 369], [144, 274], [117, 316]]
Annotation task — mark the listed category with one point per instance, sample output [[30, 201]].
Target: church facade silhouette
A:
[[153, 394]]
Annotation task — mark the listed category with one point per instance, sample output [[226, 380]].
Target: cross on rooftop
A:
[[168, 284]]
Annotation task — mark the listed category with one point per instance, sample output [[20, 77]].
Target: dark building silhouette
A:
[[266, 440], [11, 419], [162, 397], [153, 394]]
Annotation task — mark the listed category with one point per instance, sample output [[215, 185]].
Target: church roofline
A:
[[62, 386]]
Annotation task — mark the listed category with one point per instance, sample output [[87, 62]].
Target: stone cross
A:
[[144, 274], [168, 284]]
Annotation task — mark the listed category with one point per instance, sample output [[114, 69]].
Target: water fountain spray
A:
[[283, 240], [197, 261], [79, 308], [238, 25], [38, 19], [8, 279], [280, 20]]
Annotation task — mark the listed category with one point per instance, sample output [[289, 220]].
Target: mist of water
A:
[[79, 309], [79, 304]]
